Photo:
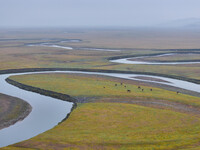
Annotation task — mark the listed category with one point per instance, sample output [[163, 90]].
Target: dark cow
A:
[[129, 91]]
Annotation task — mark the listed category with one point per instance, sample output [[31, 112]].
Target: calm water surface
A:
[[48, 112]]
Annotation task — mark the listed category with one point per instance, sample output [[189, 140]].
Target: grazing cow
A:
[[151, 89], [125, 86], [104, 87], [177, 92], [121, 83], [129, 91], [115, 84], [139, 87], [142, 90]]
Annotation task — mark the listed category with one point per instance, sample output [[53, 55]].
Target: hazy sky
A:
[[75, 13]]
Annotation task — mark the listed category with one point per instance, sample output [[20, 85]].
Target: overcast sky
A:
[[92, 13]]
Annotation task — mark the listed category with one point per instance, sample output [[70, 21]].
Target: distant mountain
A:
[[183, 23]]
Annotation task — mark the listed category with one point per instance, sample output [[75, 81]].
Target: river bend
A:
[[47, 112]]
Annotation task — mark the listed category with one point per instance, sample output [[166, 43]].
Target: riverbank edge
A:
[[24, 70], [154, 54], [24, 114], [52, 94], [56, 95]]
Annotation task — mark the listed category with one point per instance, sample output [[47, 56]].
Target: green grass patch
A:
[[114, 125], [119, 126], [93, 86]]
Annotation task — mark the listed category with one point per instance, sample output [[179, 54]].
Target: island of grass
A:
[[109, 117], [12, 110]]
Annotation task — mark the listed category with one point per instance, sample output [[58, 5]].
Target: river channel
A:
[[130, 60], [47, 112]]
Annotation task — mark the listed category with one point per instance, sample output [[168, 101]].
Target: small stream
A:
[[72, 48], [130, 60]]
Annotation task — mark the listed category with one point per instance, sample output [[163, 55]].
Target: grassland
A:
[[108, 118], [12, 110], [119, 126], [108, 121], [92, 86], [15, 54]]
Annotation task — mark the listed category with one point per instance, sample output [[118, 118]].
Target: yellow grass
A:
[[119, 126], [93, 86]]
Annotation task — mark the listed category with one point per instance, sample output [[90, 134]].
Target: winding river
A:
[[47, 112], [72, 48], [130, 60]]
